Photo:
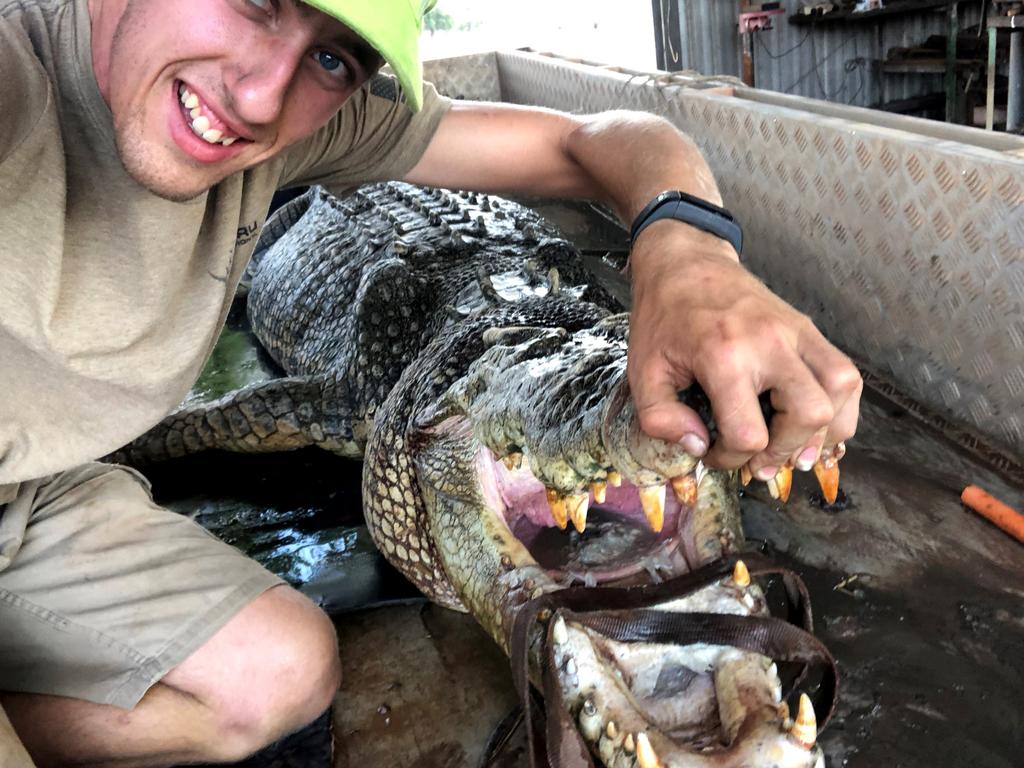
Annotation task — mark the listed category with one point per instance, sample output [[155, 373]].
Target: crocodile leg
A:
[[278, 415]]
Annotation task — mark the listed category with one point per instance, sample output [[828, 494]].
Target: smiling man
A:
[[140, 144]]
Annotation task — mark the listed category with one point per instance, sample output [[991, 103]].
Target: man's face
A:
[[201, 89]]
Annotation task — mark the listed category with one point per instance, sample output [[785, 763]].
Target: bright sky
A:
[[606, 31]]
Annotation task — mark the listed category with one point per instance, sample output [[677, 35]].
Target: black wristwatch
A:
[[690, 210]]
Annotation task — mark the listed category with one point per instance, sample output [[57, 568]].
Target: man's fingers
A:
[[742, 432], [844, 425], [842, 382], [803, 412], [662, 415]]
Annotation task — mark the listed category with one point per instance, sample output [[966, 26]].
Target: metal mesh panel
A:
[[465, 77], [906, 250]]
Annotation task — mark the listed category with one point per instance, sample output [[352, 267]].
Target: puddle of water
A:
[[299, 514], [235, 362]]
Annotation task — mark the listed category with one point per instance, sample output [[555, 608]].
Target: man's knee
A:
[[271, 670]]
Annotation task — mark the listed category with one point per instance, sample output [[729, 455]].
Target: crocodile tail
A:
[[277, 415]]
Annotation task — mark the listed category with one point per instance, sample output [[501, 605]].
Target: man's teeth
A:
[[200, 123]]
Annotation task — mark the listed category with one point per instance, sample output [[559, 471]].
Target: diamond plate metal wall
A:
[[466, 77], [906, 249]]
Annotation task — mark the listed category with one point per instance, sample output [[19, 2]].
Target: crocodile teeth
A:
[[685, 489], [558, 510], [614, 478], [599, 489], [833, 454], [609, 743], [827, 473], [745, 475], [780, 485], [577, 505], [645, 754], [740, 574], [606, 750], [776, 684], [652, 499], [559, 632], [805, 726], [513, 461], [629, 745], [590, 722]]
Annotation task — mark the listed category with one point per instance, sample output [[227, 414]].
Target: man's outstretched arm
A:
[[697, 314]]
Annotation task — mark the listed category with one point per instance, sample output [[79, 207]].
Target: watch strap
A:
[[691, 210]]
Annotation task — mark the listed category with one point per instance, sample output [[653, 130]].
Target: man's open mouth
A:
[[203, 120]]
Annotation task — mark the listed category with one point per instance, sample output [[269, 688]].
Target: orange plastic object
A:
[[995, 511]]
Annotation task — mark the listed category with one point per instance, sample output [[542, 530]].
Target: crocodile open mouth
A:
[[617, 544]]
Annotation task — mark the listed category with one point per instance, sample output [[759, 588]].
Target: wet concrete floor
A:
[[921, 601]]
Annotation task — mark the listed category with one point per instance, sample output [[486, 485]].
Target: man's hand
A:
[[699, 316]]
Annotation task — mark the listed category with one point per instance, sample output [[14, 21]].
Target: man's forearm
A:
[[633, 156], [621, 158]]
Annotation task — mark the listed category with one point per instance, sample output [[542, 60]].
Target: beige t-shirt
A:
[[110, 297]]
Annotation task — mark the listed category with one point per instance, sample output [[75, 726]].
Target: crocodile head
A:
[[525, 472]]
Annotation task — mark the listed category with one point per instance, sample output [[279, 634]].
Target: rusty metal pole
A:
[[747, 72]]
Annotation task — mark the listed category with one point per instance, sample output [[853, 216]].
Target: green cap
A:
[[393, 28]]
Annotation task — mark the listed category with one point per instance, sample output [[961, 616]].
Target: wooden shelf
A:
[[909, 6]]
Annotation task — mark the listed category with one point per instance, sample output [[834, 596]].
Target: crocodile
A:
[[455, 342]]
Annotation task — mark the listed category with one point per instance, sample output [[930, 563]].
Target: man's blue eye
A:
[[328, 61]]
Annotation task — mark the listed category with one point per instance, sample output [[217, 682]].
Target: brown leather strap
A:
[[621, 614]]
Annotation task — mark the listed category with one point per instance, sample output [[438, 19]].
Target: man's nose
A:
[[263, 76]]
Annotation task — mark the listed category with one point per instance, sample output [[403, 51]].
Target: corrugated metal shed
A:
[[837, 62]]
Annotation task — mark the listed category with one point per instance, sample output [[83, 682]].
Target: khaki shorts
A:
[[109, 592]]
